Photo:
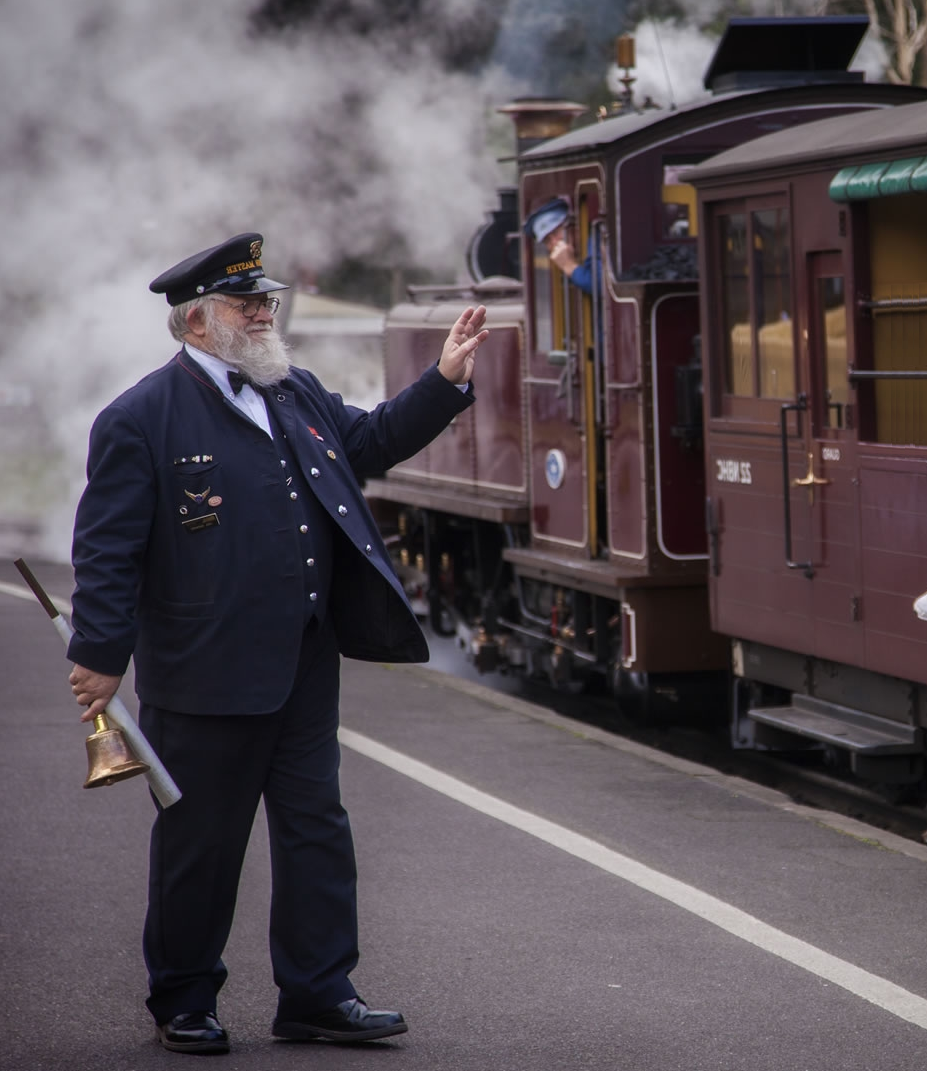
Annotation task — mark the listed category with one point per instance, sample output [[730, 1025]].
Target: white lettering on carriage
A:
[[730, 471]]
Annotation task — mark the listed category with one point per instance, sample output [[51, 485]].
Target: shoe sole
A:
[[301, 1032], [203, 1048]]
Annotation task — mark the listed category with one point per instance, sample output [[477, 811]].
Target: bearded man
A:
[[223, 541]]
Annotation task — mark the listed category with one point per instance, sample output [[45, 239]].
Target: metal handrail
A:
[[567, 376], [892, 304], [798, 406], [855, 375], [598, 324]]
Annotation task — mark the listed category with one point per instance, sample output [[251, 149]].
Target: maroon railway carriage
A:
[[559, 524], [814, 312]]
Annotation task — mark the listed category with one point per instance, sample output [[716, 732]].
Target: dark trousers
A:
[[223, 766]]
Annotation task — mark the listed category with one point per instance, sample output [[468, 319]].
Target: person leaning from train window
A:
[[224, 541], [548, 226]]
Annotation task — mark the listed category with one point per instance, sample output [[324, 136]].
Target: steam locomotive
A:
[[713, 464]]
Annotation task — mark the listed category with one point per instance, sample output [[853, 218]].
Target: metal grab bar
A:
[[892, 304], [714, 536], [798, 406], [567, 376], [598, 324], [855, 375]]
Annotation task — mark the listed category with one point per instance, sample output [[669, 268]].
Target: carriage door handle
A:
[[809, 480]]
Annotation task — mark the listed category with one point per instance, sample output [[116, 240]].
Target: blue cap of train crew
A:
[[232, 267], [547, 218]]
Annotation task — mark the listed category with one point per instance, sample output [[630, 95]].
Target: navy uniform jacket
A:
[[215, 616]]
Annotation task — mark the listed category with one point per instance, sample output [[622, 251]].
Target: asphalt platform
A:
[[534, 894]]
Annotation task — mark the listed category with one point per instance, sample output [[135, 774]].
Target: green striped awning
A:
[[865, 181]]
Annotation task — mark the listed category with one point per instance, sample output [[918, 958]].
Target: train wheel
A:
[[633, 692], [440, 617]]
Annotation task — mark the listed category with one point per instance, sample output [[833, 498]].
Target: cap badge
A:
[[255, 250]]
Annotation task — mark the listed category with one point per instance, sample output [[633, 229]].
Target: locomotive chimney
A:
[[538, 118]]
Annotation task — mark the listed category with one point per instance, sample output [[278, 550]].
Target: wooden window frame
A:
[[732, 409]]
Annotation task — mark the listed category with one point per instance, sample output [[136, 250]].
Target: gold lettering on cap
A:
[[234, 269]]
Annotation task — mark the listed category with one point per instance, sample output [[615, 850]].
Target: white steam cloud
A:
[[135, 134]]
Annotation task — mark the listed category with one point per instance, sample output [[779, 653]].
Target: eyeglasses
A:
[[250, 308]]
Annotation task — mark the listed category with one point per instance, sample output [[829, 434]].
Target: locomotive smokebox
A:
[[494, 248]]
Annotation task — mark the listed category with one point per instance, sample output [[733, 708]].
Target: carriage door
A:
[[565, 392], [828, 491], [593, 313]]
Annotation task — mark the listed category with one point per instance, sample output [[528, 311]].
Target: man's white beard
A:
[[262, 355]]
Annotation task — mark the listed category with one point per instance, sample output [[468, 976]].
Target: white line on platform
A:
[[21, 592], [879, 991]]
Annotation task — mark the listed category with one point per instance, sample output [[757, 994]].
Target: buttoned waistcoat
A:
[[185, 550]]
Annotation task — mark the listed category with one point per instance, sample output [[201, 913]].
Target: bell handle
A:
[[159, 780]]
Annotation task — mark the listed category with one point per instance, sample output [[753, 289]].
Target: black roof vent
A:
[[759, 53]]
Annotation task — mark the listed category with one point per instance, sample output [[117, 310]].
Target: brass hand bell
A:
[[110, 759]]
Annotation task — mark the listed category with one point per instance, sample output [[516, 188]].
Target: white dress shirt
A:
[[248, 400]]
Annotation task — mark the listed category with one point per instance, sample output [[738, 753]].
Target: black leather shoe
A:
[[197, 1032], [351, 1020]]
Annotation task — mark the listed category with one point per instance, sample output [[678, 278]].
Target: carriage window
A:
[[550, 304], [833, 333], [757, 332], [543, 306], [735, 305], [898, 260], [772, 303], [679, 218]]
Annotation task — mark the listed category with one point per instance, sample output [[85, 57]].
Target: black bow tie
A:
[[237, 380]]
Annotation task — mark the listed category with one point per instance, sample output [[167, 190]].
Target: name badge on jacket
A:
[[197, 524]]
